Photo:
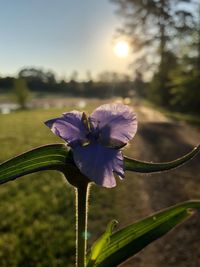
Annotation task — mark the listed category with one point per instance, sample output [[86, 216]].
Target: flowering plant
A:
[[96, 140], [93, 153]]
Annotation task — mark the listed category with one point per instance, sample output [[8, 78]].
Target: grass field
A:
[[37, 221]]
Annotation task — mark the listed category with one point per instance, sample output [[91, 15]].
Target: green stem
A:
[[81, 221]]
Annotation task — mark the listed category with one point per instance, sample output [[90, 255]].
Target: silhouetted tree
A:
[[38, 80], [139, 85], [154, 23], [21, 92], [6, 83], [153, 27]]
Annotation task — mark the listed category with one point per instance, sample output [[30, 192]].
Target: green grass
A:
[[37, 219], [36, 212]]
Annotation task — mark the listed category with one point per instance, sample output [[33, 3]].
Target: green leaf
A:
[[98, 246], [49, 157], [58, 157], [149, 167], [133, 238]]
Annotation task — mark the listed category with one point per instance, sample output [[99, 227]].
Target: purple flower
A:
[[96, 140]]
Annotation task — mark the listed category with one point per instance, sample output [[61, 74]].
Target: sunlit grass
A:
[[37, 211]]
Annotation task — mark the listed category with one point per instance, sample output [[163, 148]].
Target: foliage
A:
[[166, 38], [58, 157], [121, 245], [109, 84], [21, 93], [185, 93], [159, 90], [153, 25], [37, 78]]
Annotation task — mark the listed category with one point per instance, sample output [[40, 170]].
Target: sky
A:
[[59, 35]]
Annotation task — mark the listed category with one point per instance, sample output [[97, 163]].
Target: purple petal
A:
[[98, 163], [116, 122], [69, 127]]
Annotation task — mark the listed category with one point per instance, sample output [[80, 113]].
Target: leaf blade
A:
[[48, 157], [100, 243], [149, 167], [131, 239]]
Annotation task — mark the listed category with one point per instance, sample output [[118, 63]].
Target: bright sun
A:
[[121, 49]]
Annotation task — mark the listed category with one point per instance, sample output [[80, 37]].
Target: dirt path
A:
[[158, 139], [161, 139]]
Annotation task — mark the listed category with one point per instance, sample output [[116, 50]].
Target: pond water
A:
[[6, 108]]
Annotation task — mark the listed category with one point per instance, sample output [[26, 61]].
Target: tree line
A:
[[39, 81]]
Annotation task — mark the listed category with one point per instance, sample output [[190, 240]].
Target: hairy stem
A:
[[81, 223]]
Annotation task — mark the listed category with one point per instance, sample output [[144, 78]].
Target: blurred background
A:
[[57, 56]]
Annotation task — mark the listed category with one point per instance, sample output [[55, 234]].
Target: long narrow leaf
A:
[[98, 246], [131, 239], [148, 167], [56, 156], [49, 157]]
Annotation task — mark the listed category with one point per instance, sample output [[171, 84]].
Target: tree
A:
[[185, 77], [21, 93], [153, 27], [38, 80]]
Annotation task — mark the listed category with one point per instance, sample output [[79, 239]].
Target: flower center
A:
[[92, 130]]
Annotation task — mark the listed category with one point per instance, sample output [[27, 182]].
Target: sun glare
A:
[[121, 49]]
